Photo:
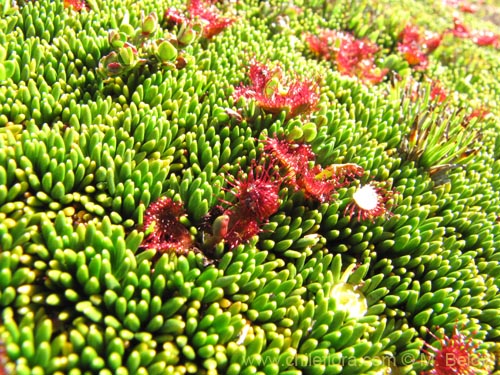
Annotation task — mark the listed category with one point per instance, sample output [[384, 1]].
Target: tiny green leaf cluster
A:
[[133, 48]]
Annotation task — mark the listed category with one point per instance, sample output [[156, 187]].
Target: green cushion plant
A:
[[239, 187]]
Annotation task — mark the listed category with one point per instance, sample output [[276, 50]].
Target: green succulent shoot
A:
[[7, 68], [440, 136], [127, 55], [189, 32], [149, 24], [166, 52], [126, 27], [110, 65], [134, 48], [117, 39]]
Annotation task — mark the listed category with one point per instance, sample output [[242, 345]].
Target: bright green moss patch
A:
[[249, 187]]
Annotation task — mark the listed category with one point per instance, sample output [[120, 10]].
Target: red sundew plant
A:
[[257, 195], [316, 184], [205, 12], [479, 113], [175, 16], [320, 183], [369, 202], [353, 57], [274, 92], [256, 199], [486, 38], [480, 37], [438, 92], [344, 173], [463, 6], [303, 174], [240, 229], [231, 226], [356, 58], [467, 7], [322, 45], [3, 358], [459, 29], [77, 5], [455, 357], [213, 22], [167, 232], [416, 47], [293, 157]]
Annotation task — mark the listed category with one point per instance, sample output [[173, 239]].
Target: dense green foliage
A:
[[84, 152]]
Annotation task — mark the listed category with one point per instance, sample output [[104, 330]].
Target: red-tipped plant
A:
[[257, 195], [344, 173], [316, 184], [480, 37], [240, 228], [167, 233], [77, 5], [202, 11], [231, 226], [462, 5], [416, 47], [323, 45], [479, 113], [456, 355], [256, 198], [175, 17], [213, 23], [353, 57], [356, 58], [438, 93], [301, 172], [468, 7], [486, 38], [320, 183], [459, 29], [294, 158], [369, 202], [274, 92]]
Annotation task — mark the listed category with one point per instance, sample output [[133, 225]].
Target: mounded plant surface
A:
[[239, 187]]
